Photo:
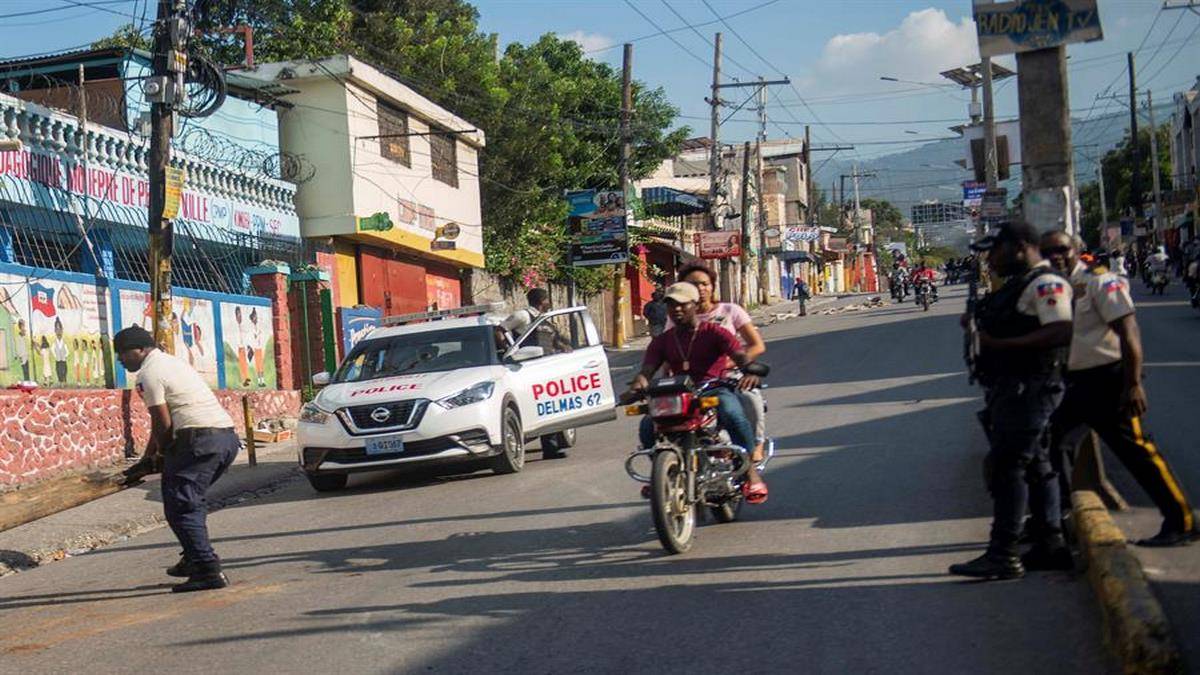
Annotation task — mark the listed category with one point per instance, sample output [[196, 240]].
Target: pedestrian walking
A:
[[1104, 389], [193, 437], [801, 294], [1024, 332], [655, 314]]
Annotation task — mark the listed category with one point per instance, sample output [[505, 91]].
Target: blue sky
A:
[[835, 51]]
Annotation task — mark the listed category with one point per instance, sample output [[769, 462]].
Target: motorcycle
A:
[[898, 286], [693, 465], [924, 295], [1158, 282]]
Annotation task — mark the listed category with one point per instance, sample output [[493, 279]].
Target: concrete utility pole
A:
[[810, 182], [164, 90], [744, 291], [1135, 179], [1103, 199], [618, 334], [1154, 171], [1046, 155], [992, 171]]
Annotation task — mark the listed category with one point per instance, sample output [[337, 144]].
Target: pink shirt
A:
[[727, 315]]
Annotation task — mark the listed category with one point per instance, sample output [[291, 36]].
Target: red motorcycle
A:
[[693, 463]]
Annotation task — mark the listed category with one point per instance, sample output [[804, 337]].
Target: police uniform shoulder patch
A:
[[1113, 285], [1049, 288], [1099, 270]]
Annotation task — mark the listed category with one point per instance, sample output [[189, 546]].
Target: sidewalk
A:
[[135, 510]]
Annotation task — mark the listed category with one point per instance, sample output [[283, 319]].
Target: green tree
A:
[[127, 36], [1117, 165]]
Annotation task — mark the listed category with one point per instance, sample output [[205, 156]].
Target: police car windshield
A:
[[425, 352]]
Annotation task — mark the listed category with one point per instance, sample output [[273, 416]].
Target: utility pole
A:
[[618, 335], [744, 294], [1047, 165], [1135, 179], [714, 158], [763, 272], [164, 90], [1103, 199], [810, 182], [1154, 171], [989, 127]]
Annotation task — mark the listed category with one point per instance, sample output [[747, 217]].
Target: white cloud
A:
[[589, 41], [925, 43]]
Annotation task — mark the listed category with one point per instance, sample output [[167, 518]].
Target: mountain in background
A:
[[928, 172]]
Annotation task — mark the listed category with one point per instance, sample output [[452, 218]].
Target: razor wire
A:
[[229, 154]]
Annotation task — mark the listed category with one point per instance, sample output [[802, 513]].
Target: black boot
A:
[[205, 576], [1169, 536], [184, 568], [990, 566], [1048, 558]]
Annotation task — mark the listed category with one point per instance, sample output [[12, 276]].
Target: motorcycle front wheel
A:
[[674, 517]]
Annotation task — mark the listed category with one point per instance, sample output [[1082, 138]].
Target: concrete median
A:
[[1135, 626]]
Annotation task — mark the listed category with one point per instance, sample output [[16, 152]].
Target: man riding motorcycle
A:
[[925, 273], [701, 350], [1156, 265]]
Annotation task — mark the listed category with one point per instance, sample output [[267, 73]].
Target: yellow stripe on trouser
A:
[[1163, 470]]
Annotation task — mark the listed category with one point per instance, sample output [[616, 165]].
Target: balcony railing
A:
[[46, 131]]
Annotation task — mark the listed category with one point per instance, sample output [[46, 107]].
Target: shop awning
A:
[[797, 256], [667, 201]]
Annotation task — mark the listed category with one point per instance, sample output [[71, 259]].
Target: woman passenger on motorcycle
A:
[[736, 320]]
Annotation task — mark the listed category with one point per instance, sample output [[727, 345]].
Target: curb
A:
[[234, 489], [1135, 626]]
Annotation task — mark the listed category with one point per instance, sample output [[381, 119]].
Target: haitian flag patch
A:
[[1050, 288], [1113, 286]]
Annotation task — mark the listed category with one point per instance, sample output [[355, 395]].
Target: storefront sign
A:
[[802, 233], [356, 323], [597, 223], [973, 193], [721, 244], [23, 173], [1026, 25]]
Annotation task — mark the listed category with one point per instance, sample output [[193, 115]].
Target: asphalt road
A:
[[1171, 334], [876, 490]]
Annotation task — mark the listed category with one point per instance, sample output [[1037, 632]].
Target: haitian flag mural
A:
[[69, 328]]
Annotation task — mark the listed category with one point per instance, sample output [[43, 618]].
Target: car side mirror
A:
[[321, 379], [526, 353], [757, 368]]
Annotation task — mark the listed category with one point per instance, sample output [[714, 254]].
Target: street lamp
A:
[[938, 85]]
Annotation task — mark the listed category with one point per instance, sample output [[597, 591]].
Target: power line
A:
[[683, 28], [703, 61], [706, 40]]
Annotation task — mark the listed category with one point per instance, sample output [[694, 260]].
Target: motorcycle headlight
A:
[[312, 414], [473, 394]]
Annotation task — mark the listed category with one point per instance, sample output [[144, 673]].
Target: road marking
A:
[[1172, 364]]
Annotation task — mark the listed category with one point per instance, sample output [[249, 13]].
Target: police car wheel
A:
[[512, 444], [327, 482]]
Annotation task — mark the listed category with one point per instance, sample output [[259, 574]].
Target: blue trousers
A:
[[730, 415], [195, 460], [1019, 409]]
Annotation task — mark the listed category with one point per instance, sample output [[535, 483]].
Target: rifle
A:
[[971, 334]]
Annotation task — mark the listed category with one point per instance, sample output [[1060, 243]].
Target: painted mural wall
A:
[[56, 331]]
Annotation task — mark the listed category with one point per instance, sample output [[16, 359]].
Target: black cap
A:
[[134, 337], [1019, 232]]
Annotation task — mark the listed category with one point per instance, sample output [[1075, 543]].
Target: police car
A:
[[455, 386]]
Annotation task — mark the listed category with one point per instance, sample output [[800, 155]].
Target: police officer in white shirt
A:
[[194, 437], [1104, 387]]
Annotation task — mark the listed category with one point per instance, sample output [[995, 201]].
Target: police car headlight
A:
[[312, 414], [472, 394]]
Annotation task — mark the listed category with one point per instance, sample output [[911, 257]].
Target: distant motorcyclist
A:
[[925, 273], [1156, 267]]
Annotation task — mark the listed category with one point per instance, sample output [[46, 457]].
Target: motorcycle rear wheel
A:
[[674, 518]]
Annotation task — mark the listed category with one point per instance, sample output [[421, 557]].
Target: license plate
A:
[[385, 445]]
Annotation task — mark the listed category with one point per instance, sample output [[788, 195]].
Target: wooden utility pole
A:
[[1154, 171], [764, 277], [744, 294], [164, 90], [618, 339], [1135, 178], [714, 160]]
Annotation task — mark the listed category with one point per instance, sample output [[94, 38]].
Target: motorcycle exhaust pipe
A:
[[767, 456]]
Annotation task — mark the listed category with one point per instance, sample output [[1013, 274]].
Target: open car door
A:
[[568, 385]]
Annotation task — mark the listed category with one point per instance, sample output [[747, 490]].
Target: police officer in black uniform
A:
[[1024, 333]]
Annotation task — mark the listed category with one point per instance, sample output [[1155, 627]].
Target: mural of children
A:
[[257, 344], [77, 360], [60, 352], [244, 353], [45, 352], [186, 323], [97, 362], [22, 349]]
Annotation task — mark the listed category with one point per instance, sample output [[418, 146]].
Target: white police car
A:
[[455, 386]]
